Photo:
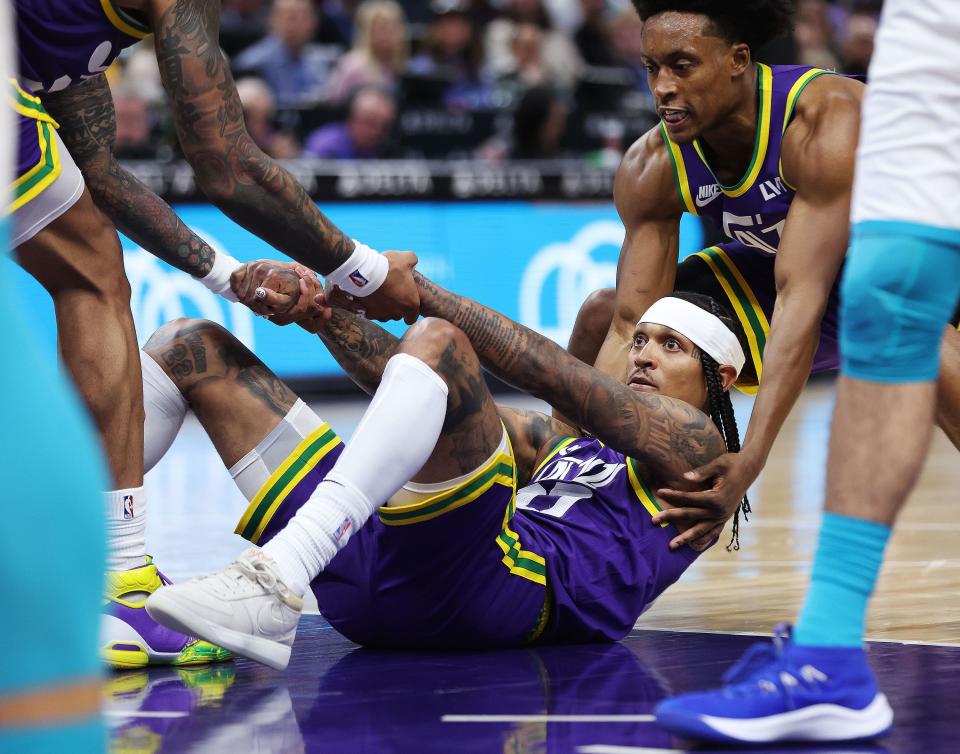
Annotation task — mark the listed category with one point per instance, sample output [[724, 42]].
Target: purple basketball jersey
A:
[[63, 42], [587, 512], [753, 210]]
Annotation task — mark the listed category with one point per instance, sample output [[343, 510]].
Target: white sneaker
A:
[[246, 608]]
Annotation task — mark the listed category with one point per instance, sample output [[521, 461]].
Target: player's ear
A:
[[740, 58], [728, 376]]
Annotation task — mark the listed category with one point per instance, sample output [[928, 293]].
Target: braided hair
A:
[[720, 405]]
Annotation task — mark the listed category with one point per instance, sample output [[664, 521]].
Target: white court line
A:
[[134, 713], [609, 749], [767, 634], [547, 718]]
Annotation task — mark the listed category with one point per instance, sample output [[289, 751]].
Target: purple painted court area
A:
[[593, 699]]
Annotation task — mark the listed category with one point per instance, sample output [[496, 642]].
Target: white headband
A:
[[703, 328]]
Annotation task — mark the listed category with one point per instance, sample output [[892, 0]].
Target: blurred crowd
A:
[[445, 79]]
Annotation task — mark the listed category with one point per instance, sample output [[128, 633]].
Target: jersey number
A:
[[749, 237], [567, 494]]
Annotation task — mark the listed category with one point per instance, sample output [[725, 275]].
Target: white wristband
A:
[[362, 273], [218, 279]]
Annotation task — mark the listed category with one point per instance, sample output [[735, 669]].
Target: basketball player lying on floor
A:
[[489, 526]]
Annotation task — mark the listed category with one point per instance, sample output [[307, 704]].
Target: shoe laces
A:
[[256, 568], [758, 656], [767, 667]]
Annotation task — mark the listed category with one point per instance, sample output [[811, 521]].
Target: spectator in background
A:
[[134, 134], [813, 32], [559, 57], [294, 68], [627, 47], [242, 22], [364, 135], [593, 38], [379, 54], [452, 50], [856, 47], [539, 123], [336, 22], [259, 109]]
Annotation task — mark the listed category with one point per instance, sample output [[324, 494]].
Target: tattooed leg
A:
[[472, 429], [237, 399], [78, 259]]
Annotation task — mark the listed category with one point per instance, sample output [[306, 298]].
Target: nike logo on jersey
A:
[[706, 194]]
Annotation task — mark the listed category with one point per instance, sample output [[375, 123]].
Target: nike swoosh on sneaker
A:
[[271, 621]]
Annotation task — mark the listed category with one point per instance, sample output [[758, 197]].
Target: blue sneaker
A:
[[781, 692]]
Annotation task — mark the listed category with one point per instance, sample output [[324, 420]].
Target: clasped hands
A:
[[286, 292]]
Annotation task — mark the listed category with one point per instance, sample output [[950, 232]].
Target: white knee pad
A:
[[164, 409]]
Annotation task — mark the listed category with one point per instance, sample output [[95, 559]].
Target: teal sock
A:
[[844, 572]]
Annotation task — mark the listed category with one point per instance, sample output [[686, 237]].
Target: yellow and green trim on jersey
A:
[[48, 166], [680, 177], [28, 105], [761, 139], [795, 91], [647, 499], [760, 145], [745, 305], [311, 450], [500, 469], [523, 563], [123, 21], [556, 449]]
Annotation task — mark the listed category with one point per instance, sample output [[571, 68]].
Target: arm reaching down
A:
[[818, 158], [668, 437], [88, 127], [650, 210], [239, 178]]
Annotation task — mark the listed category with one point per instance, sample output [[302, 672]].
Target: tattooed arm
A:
[[669, 437], [88, 128], [362, 348], [234, 173], [230, 169]]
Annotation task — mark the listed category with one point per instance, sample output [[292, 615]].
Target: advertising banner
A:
[[534, 261]]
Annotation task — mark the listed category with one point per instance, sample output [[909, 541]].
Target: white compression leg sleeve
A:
[[252, 471], [393, 441], [164, 409]]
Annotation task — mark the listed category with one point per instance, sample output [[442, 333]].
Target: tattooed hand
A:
[[397, 298], [283, 291]]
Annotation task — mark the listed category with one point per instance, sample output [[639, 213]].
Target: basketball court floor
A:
[[594, 699]]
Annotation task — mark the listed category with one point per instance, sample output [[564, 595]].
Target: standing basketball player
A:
[[767, 153], [69, 194], [900, 286], [52, 529]]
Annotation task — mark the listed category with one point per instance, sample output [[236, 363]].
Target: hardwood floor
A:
[[918, 595]]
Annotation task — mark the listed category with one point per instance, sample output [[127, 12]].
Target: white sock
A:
[[393, 441], [164, 408], [126, 528]]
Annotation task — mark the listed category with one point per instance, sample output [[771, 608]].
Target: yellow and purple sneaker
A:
[[129, 638], [133, 700]]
